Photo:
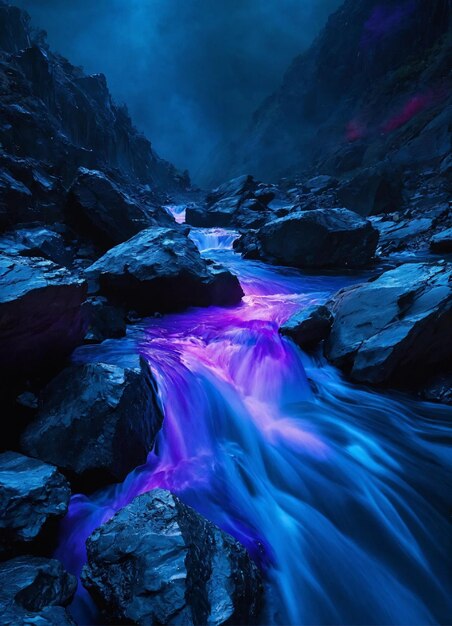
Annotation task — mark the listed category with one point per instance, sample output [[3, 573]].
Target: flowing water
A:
[[341, 494]]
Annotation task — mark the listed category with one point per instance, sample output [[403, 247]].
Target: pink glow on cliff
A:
[[412, 107], [355, 130]]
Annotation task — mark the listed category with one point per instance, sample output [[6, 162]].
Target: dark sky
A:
[[190, 71]]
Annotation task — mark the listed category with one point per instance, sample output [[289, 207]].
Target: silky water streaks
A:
[[340, 494]]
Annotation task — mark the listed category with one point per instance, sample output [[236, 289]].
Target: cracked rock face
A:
[[158, 562], [97, 421], [35, 590], [31, 494], [395, 328]]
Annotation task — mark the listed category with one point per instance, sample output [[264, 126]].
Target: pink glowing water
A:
[[337, 492]]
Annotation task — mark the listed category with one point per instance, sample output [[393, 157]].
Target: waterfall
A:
[[338, 492]]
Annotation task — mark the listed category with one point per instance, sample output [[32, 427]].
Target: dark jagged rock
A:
[[160, 269], [158, 562], [52, 112], [102, 210], [29, 192], [442, 242], [438, 388], [105, 320], [241, 203], [41, 319], [97, 422], [308, 327], [35, 590], [38, 242], [318, 238], [372, 190], [395, 329], [32, 494]]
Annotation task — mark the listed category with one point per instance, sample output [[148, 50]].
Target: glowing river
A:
[[341, 494]]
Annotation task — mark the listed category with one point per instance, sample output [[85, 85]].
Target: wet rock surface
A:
[[41, 318], [309, 327], [158, 562], [107, 212], [314, 239], [160, 269], [35, 590], [396, 328], [105, 321], [241, 202], [32, 494], [96, 422]]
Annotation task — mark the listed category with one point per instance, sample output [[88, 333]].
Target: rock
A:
[[438, 388], [373, 190], [35, 590], [100, 209], [398, 234], [32, 494], [318, 238], [13, 195], [97, 422], [39, 242], [442, 242], [105, 320], [159, 270], [308, 327], [41, 319], [241, 203], [395, 329], [320, 183], [158, 562]]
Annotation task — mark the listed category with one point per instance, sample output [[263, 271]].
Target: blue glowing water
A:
[[340, 493]]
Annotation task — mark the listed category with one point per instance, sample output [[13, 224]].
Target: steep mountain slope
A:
[[52, 112], [375, 86]]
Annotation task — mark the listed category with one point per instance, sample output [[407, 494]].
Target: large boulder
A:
[[308, 327], [160, 269], [32, 494], [314, 239], [240, 203], [97, 422], [158, 562], [105, 212], [37, 241], [41, 318], [35, 590], [396, 328]]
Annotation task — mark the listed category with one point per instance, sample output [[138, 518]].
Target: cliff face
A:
[[374, 86], [52, 112]]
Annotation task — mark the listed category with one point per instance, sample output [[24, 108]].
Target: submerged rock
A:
[[160, 269], [32, 494], [104, 211], [41, 318], [35, 590], [314, 239], [308, 327], [397, 328], [97, 422], [158, 562]]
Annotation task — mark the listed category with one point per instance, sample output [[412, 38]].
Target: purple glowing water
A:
[[338, 494]]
